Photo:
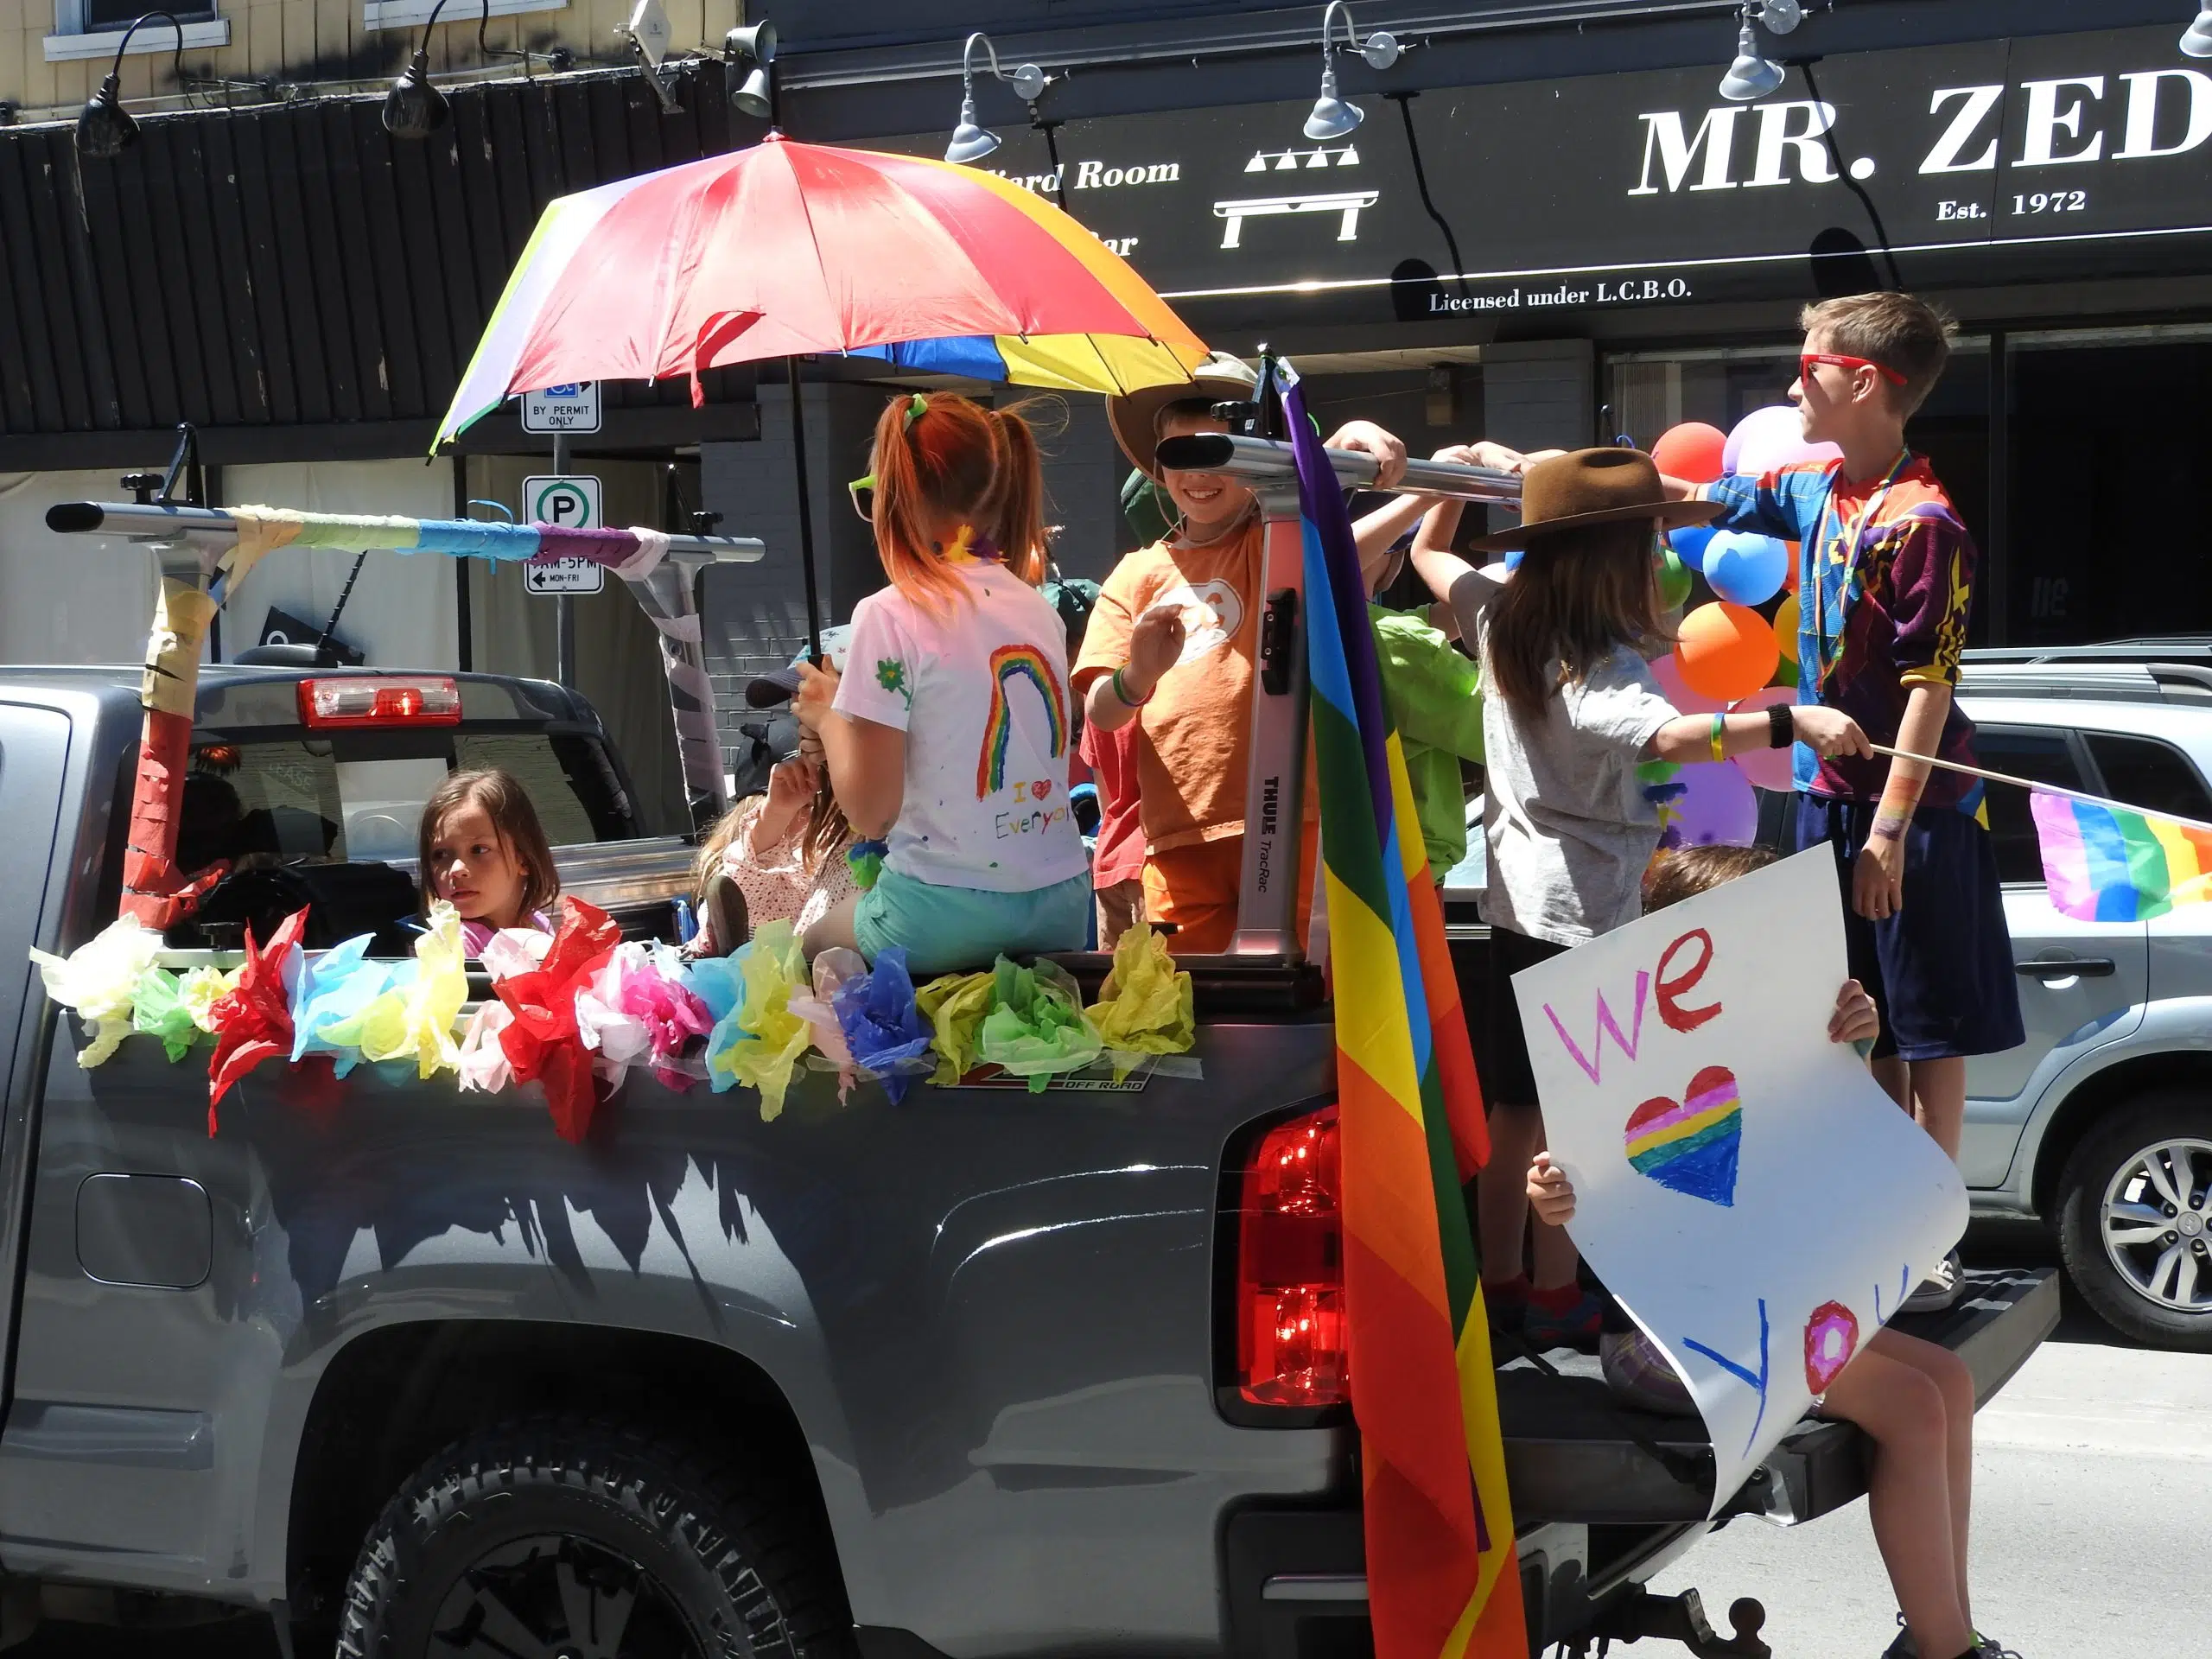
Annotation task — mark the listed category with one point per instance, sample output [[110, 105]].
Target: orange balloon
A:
[[1785, 634], [1691, 452], [1725, 651], [1796, 550]]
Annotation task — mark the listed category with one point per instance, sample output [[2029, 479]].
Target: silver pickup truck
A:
[[404, 1373]]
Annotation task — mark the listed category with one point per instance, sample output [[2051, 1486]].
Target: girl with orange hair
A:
[[948, 734]]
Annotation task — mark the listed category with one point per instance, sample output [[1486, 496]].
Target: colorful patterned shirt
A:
[[1886, 589]]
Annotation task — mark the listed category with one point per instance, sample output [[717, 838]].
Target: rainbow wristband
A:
[[1719, 728]]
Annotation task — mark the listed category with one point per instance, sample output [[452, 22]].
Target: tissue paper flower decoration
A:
[[99, 979], [158, 1010], [542, 1042], [883, 1028], [412, 1014], [834, 968], [760, 1040], [252, 1021], [639, 1009], [334, 987], [1145, 1006], [200, 989], [1036, 1026], [483, 1061], [954, 1005]]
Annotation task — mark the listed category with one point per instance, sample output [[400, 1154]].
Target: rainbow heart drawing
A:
[[1689, 1146]]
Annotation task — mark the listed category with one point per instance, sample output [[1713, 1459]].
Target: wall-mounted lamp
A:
[[2197, 42], [105, 130], [1333, 117], [971, 143], [1752, 76], [746, 54]]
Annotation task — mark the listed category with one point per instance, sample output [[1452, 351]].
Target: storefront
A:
[[1568, 260]]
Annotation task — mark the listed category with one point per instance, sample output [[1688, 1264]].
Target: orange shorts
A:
[[1195, 888]]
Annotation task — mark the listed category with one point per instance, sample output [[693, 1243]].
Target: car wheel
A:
[[570, 1538], [2135, 1220]]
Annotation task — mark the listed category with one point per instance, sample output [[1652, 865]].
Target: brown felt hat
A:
[[1134, 415], [1593, 486]]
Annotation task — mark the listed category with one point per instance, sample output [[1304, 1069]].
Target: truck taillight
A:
[[381, 700], [1291, 1336]]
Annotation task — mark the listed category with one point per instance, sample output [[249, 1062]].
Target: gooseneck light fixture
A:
[[105, 130], [1333, 117], [746, 54], [2197, 42], [1752, 76], [970, 141]]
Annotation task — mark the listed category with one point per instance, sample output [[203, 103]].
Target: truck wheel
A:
[[2135, 1220], [571, 1538]]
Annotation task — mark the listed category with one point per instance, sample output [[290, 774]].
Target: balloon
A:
[[1767, 768], [1513, 560], [1785, 634], [1707, 804], [1668, 673], [1690, 541], [1767, 439], [1725, 651], [1745, 569], [1691, 452], [1674, 579]]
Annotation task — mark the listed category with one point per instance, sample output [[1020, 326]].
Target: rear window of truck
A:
[[358, 795]]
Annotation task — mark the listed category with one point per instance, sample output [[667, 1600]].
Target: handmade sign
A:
[[1743, 1186]]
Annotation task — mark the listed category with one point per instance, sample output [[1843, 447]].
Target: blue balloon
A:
[[1513, 560], [1745, 569], [1690, 543]]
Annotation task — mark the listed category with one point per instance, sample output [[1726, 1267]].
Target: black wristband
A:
[[1781, 727]]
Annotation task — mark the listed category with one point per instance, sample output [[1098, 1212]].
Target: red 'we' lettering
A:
[[1663, 987]]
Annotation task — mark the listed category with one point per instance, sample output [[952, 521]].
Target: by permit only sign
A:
[[573, 503], [572, 408]]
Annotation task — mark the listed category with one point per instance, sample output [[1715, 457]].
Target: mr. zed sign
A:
[[1745, 1188]]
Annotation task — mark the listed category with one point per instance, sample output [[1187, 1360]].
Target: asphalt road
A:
[[2090, 1472], [2090, 1478]]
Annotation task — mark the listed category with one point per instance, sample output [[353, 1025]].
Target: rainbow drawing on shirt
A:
[[1011, 662]]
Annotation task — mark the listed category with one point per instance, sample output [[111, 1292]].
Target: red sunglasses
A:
[[1809, 360]]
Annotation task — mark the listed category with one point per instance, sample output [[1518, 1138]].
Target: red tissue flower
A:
[[252, 1021], [543, 1041]]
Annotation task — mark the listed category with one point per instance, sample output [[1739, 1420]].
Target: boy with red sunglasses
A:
[[1885, 588]]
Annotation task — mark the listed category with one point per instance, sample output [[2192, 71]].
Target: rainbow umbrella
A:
[[787, 249]]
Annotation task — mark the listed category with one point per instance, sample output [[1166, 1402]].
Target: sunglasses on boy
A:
[[1810, 360]]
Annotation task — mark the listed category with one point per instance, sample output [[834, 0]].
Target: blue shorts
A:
[[1940, 970], [946, 929]]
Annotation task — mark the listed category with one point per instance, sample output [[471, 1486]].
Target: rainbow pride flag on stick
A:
[[1441, 1576], [2106, 862]]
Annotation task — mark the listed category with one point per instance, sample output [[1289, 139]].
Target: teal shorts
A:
[[945, 928]]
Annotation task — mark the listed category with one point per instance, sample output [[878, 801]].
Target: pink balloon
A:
[[1767, 768], [1712, 805], [1770, 438], [1668, 673]]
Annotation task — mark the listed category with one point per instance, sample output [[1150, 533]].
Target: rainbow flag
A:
[[1441, 1573], [2105, 862]]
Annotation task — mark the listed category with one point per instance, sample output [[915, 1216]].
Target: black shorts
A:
[[1501, 1048], [1940, 970]]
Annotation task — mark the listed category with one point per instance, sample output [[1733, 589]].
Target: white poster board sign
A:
[[1743, 1186], [573, 503]]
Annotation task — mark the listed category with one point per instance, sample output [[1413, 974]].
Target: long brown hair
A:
[[823, 838], [506, 803], [939, 457], [1578, 595]]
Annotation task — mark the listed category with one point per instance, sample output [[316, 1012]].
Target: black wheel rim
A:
[[552, 1597]]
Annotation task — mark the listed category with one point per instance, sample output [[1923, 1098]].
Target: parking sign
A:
[[572, 408], [572, 503]]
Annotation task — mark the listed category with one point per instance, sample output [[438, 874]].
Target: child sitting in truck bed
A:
[[483, 852], [1914, 1400]]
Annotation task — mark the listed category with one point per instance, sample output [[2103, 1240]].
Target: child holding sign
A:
[[1914, 1400], [1571, 711]]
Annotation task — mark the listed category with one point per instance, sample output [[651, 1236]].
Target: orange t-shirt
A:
[[1195, 735]]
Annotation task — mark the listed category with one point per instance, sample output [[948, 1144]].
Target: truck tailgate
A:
[[1573, 1453]]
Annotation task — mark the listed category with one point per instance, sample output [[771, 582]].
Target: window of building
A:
[[93, 29], [410, 14]]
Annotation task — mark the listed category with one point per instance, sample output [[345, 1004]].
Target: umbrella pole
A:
[[805, 511]]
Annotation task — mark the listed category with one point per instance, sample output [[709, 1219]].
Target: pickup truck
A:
[[401, 1371]]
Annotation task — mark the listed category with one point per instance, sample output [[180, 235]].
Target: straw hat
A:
[[1593, 486], [1134, 415]]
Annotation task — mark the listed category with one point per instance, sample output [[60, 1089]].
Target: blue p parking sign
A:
[[570, 503]]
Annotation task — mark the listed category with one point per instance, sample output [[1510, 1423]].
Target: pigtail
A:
[[1019, 490], [938, 457], [903, 503]]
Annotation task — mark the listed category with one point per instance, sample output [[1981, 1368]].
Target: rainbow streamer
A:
[[2110, 864], [1441, 1577]]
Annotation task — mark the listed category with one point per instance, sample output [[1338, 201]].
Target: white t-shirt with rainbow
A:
[[980, 690]]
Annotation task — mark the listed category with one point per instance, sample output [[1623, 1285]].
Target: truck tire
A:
[[557, 1536], [2135, 1220]]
